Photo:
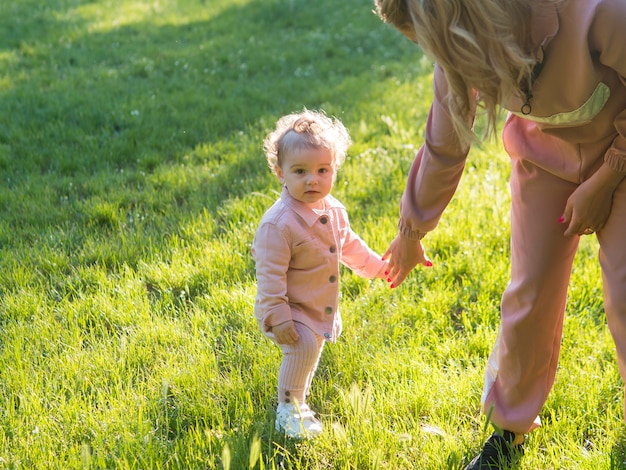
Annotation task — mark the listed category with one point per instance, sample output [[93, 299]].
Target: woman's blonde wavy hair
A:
[[481, 45]]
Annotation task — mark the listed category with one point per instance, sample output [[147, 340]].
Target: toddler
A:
[[297, 248]]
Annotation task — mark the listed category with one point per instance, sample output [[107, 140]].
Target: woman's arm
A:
[[431, 183]]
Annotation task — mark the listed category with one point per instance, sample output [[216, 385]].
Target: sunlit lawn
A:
[[132, 182]]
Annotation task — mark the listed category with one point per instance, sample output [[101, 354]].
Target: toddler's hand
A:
[[285, 333], [383, 273]]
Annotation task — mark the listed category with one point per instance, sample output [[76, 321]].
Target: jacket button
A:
[[328, 310], [324, 220], [332, 278], [333, 249]]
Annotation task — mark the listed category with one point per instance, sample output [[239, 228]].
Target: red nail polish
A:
[[392, 286], [386, 272], [388, 280], [429, 264], [561, 219]]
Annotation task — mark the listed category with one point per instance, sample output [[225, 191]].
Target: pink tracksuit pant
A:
[[521, 369]]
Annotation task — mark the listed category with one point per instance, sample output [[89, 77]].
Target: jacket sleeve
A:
[[272, 252], [356, 254], [436, 170], [608, 36], [359, 257]]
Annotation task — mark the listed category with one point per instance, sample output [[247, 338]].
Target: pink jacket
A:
[[297, 252], [578, 117]]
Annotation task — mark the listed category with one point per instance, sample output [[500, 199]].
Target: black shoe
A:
[[497, 453]]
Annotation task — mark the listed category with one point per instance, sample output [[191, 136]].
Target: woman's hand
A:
[[589, 206], [285, 333], [403, 255]]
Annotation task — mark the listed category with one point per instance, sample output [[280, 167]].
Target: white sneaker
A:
[[297, 421]]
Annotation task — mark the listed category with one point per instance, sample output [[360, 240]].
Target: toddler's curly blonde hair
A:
[[306, 130]]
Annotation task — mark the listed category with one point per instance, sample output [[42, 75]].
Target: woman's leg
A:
[[520, 371], [298, 365], [613, 262]]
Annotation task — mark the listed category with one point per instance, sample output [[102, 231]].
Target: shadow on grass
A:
[[143, 95], [114, 138], [112, 123]]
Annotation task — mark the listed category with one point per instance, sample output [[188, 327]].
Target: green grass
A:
[[132, 182]]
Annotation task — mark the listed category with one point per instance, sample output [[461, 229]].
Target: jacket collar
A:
[[308, 214]]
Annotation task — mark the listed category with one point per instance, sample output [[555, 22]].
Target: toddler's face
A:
[[309, 174]]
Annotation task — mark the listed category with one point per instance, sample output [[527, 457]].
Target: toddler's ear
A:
[[279, 173]]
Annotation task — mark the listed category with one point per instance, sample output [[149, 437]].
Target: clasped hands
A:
[[402, 256]]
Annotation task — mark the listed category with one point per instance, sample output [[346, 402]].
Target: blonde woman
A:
[[558, 67]]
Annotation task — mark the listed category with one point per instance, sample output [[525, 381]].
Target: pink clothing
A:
[[576, 123], [521, 369], [578, 117], [523, 363], [297, 252], [298, 366]]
